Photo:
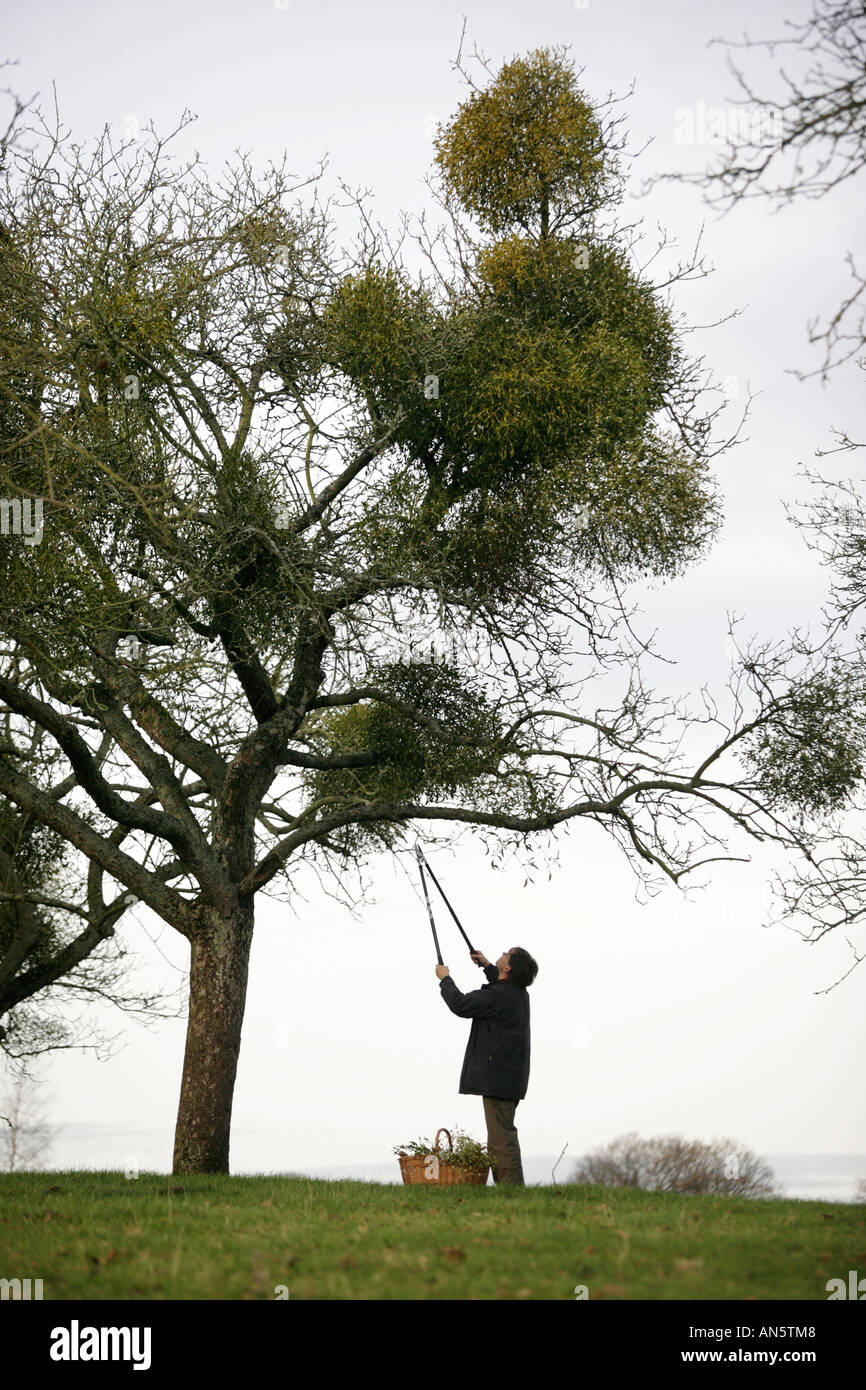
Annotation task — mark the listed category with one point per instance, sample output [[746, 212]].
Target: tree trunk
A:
[[217, 997], [545, 216]]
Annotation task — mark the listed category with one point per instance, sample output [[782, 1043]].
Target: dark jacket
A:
[[497, 1055]]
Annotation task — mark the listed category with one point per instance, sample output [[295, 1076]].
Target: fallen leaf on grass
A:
[[453, 1252]]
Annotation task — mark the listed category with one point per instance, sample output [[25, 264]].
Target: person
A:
[[496, 1064]]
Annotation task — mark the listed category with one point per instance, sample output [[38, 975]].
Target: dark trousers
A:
[[502, 1142]]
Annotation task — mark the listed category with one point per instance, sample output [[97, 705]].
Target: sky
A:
[[674, 1016]]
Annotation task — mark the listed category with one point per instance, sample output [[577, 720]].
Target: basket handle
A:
[[436, 1141]]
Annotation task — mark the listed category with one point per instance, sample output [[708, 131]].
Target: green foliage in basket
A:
[[468, 1152]]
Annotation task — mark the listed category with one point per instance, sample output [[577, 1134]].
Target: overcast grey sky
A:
[[673, 1016]]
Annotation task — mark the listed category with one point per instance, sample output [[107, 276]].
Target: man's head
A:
[[517, 966]]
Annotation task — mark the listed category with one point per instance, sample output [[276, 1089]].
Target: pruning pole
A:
[[420, 859]]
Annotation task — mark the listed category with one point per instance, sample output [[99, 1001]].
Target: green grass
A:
[[97, 1235]]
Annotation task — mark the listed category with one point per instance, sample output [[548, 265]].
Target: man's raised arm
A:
[[490, 970], [480, 1003]]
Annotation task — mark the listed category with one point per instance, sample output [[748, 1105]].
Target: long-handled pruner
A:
[[421, 862], [419, 856]]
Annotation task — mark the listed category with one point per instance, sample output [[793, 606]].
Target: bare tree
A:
[[26, 1136], [807, 142], [803, 142], [11, 135]]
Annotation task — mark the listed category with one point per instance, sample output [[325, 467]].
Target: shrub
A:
[[669, 1163]]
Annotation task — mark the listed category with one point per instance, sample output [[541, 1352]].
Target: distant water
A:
[[815, 1177]]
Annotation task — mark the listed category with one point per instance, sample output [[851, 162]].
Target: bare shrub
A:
[[670, 1163]]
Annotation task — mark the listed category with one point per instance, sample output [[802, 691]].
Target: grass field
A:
[[99, 1235]]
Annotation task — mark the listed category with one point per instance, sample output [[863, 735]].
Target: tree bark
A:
[[219, 965]]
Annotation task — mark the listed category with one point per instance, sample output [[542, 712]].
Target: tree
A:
[[669, 1163], [25, 1135], [806, 142], [11, 134], [42, 953], [55, 948], [815, 143], [261, 460]]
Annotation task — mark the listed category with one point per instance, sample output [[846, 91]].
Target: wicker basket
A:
[[443, 1173]]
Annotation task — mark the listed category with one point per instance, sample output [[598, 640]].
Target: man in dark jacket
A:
[[496, 1065]]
